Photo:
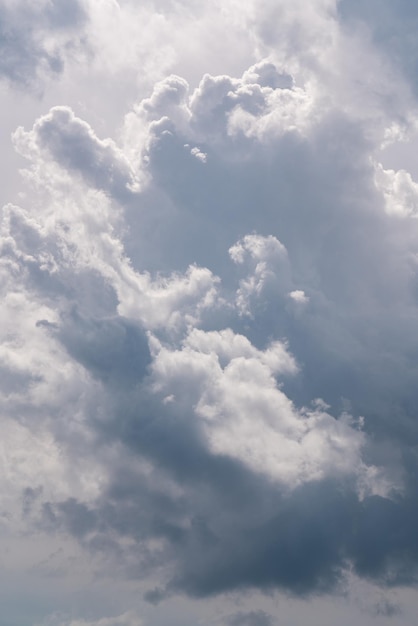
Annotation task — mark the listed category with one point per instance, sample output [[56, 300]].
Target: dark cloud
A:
[[241, 158], [228, 534], [114, 350], [208, 353], [227, 528], [261, 191], [154, 596], [386, 608], [390, 552]]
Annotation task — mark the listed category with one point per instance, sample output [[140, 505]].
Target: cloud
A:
[[72, 144], [390, 28], [268, 261], [233, 389], [180, 369], [209, 325], [385, 608], [35, 39], [254, 618], [298, 295], [400, 191], [126, 619]]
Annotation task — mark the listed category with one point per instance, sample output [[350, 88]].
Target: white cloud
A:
[[125, 619], [73, 144], [245, 414], [268, 265], [299, 296], [198, 154], [400, 191]]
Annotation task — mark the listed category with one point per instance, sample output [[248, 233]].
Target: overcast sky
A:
[[209, 312]]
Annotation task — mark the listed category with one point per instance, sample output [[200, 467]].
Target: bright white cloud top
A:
[[209, 320]]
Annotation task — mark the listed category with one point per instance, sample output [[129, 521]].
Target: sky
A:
[[209, 312]]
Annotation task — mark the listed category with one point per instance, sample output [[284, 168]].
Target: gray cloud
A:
[[253, 618], [35, 39], [115, 351], [74, 145], [392, 29], [386, 608], [217, 365], [225, 521]]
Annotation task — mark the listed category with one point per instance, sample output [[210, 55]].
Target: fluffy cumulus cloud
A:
[[209, 272]]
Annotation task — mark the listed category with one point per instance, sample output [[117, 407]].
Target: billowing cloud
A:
[[72, 144], [209, 319]]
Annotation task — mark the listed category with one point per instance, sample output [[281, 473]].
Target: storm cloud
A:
[[209, 313]]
